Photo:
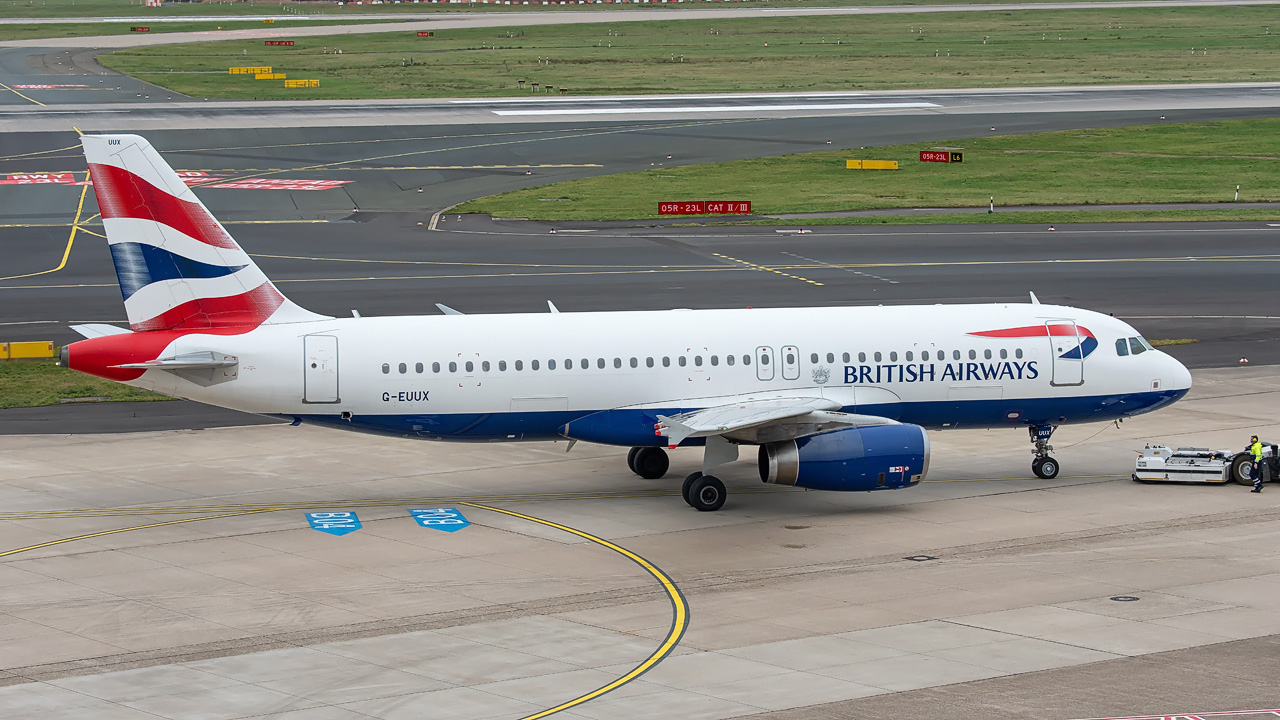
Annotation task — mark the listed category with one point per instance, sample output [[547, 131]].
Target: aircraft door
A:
[[764, 363], [790, 363], [1068, 355], [320, 372]]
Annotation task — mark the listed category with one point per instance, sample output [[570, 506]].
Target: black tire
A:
[[631, 458], [707, 494], [688, 483], [1048, 468], [651, 463], [1242, 468], [1035, 468]]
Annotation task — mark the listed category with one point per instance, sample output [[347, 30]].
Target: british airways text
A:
[[932, 372]]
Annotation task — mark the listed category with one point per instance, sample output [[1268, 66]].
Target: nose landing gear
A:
[[1044, 466]]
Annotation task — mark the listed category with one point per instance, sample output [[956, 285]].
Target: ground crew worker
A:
[[1255, 449]]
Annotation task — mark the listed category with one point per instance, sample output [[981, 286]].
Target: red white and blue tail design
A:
[[178, 268]]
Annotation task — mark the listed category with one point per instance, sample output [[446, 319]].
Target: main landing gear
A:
[[702, 490], [649, 463], [1043, 466]]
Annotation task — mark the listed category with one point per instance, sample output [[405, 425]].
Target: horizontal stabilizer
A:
[[93, 330], [190, 361]]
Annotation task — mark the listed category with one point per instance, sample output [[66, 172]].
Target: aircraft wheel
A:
[[651, 463], [1045, 468], [631, 458], [707, 494], [688, 483]]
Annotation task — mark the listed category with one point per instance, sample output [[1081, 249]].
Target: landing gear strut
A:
[[1043, 466], [649, 463]]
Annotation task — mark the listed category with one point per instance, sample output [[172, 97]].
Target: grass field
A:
[[134, 8], [34, 383], [1195, 162], [28, 32], [774, 54]]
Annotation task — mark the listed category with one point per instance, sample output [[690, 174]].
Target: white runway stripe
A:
[[718, 108]]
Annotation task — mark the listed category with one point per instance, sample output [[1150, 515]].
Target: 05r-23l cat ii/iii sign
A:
[[834, 398]]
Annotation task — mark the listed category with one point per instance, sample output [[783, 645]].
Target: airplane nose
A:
[[1179, 376]]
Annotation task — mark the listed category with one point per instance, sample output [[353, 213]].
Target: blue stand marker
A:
[[446, 519], [334, 523]]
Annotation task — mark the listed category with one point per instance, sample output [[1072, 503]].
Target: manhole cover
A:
[[1124, 598], [920, 558]]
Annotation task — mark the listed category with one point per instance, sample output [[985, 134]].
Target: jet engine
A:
[[881, 457]]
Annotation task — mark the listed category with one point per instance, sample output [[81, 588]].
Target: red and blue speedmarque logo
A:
[[1080, 350]]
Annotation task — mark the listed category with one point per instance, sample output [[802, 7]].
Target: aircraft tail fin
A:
[[178, 268]]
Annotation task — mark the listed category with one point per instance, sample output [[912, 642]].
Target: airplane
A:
[[834, 398]]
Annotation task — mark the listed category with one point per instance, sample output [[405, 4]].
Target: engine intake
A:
[[883, 457]]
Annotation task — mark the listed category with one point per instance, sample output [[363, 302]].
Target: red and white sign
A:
[[39, 179], [726, 207], [279, 184], [682, 208], [47, 87], [287, 43], [705, 207], [941, 156], [137, 28]]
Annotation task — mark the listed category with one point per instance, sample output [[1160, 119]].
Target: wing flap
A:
[[762, 420]]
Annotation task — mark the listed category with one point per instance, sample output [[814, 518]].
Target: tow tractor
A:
[[1158, 463]]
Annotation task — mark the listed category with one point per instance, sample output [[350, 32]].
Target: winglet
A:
[[1034, 300], [552, 307], [447, 310]]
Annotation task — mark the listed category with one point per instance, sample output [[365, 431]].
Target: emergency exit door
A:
[[320, 372], [1065, 343]]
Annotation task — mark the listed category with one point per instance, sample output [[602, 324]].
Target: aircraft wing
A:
[[93, 330], [759, 421]]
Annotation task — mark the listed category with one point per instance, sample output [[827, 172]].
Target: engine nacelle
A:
[[881, 457]]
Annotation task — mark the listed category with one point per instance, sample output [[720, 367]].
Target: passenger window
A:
[[813, 358], [568, 363], [893, 356], [682, 360], [502, 366], [831, 358], [551, 364], [635, 363], [1004, 354], [386, 369], [986, 353], [764, 360], [418, 368], [666, 361], [600, 363], [1018, 353], [877, 356], [909, 356], [791, 358], [746, 359], [846, 357], [403, 368], [435, 367], [586, 364], [617, 362], [1136, 346], [714, 361], [519, 365], [470, 366], [453, 367], [697, 360], [1122, 347], [728, 359], [648, 362], [973, 354], [533, 364], [862, 357], [955, 354]]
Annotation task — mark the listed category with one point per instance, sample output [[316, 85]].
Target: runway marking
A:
[[369, 168], [477, 264], [679, 612], [679, 605], [75, 226], [837, 267], [51, 543], [38, 152], [24, 97], [718, 108], [754, 266]]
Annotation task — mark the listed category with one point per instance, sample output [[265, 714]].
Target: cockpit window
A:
[[1122, 347], [1137, 346], [1144, 342]]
